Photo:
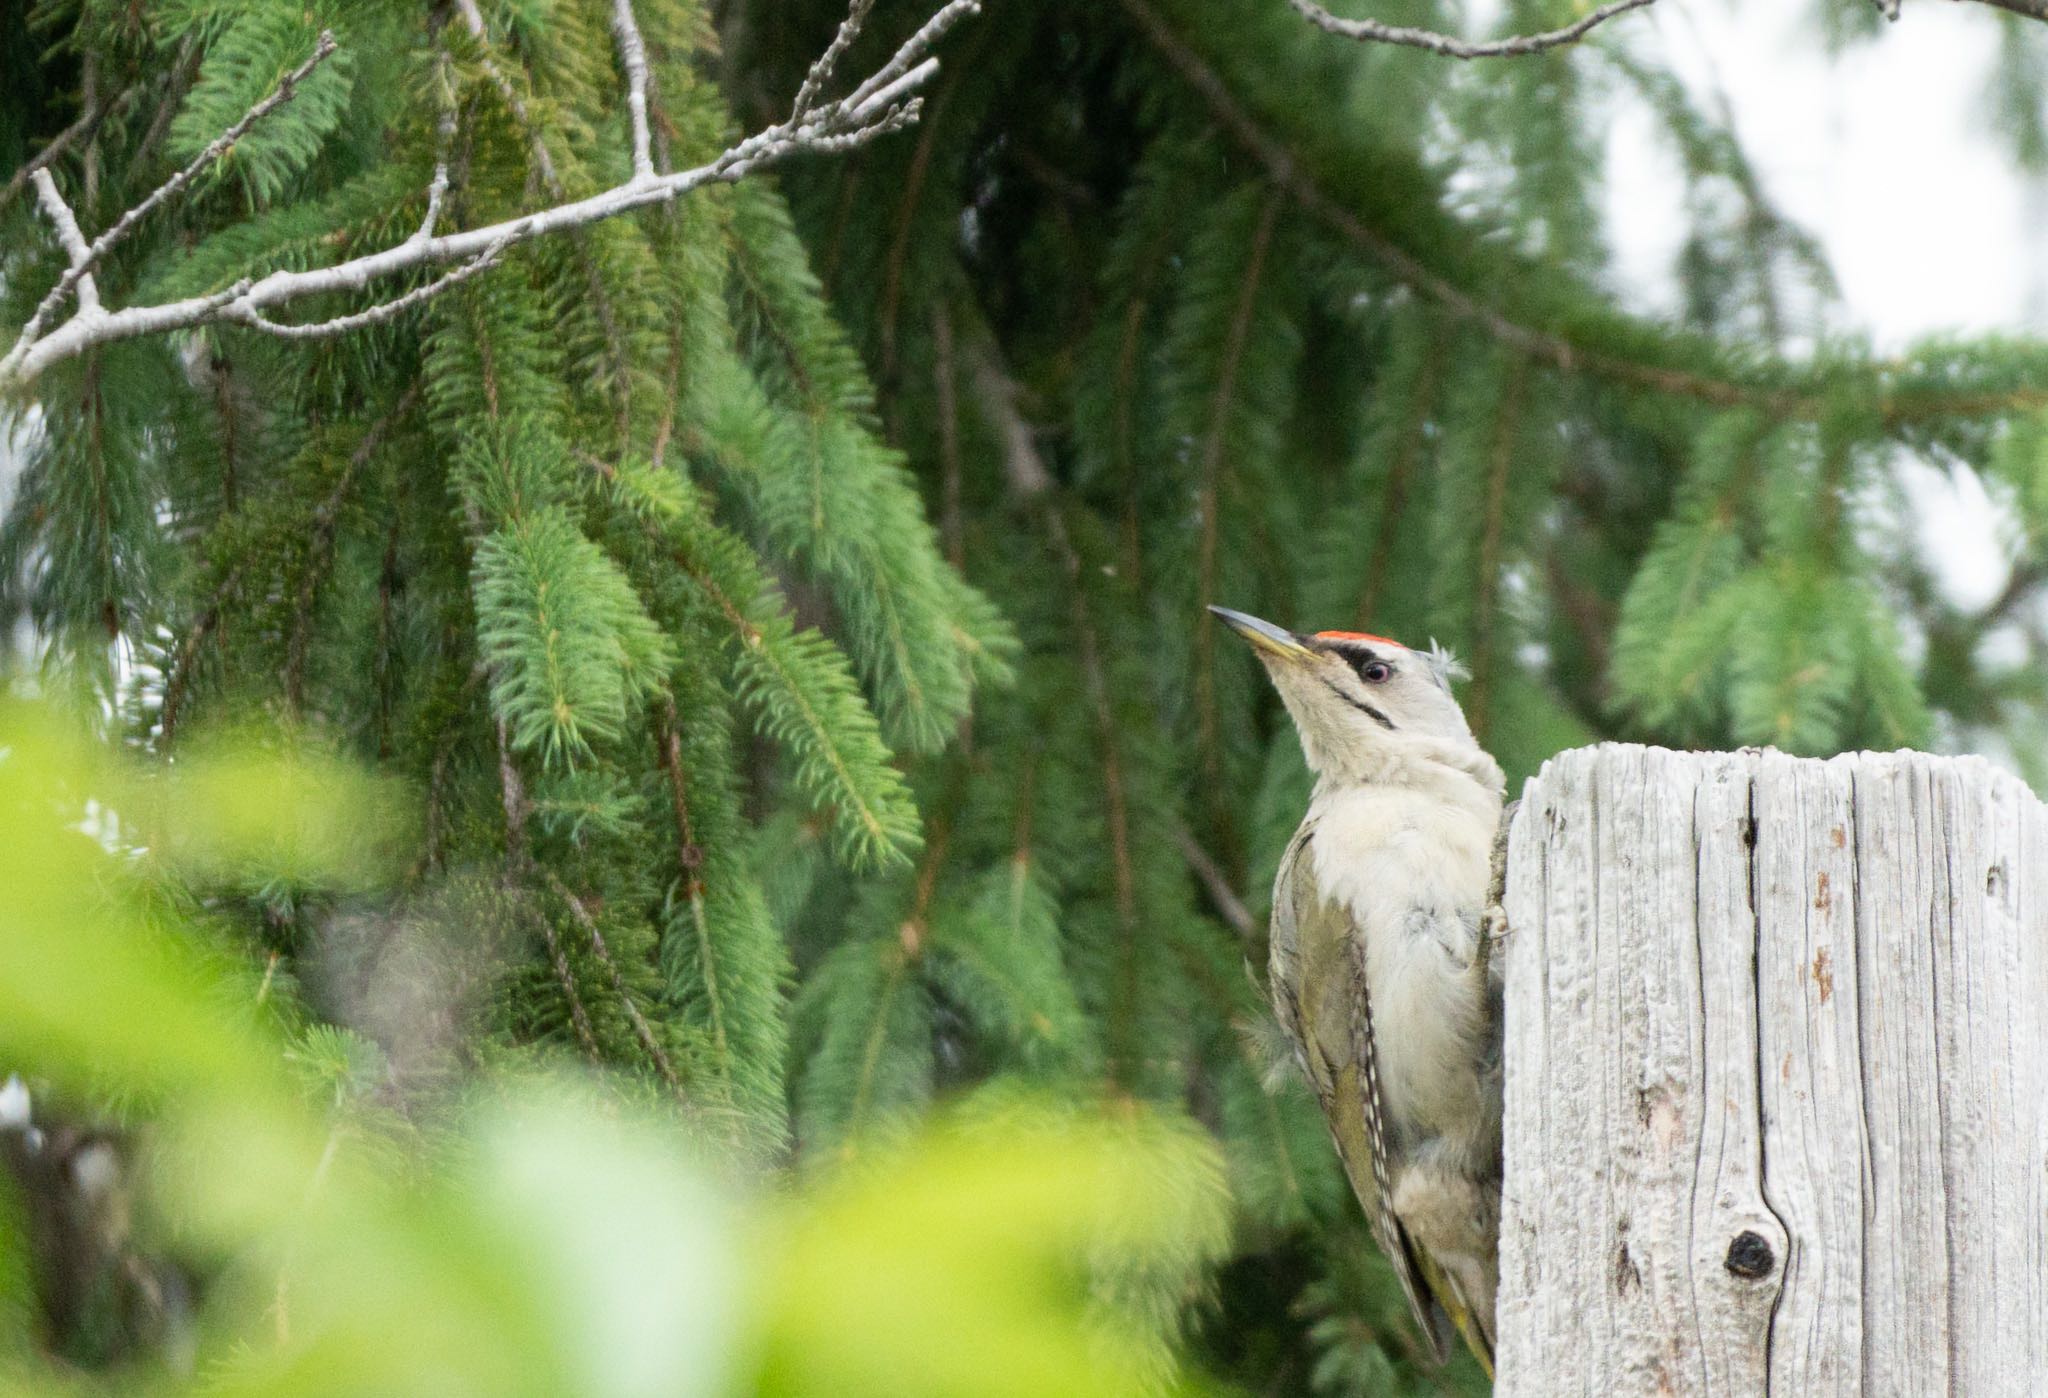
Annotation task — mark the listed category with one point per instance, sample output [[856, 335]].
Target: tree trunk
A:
[[1777, 1077]]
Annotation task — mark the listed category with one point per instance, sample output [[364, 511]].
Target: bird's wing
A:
[[1283, 949], [1321, 998]]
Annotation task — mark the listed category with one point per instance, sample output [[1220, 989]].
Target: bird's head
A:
[[1364, 704]]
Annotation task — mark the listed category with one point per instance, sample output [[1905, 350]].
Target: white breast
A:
[[1412, 868]]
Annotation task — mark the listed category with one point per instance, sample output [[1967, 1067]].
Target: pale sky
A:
[[1884, 152], [1886, 155]]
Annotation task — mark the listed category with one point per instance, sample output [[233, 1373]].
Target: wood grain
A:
[[1777, 1077]]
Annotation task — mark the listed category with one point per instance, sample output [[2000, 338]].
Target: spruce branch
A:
[[1374, 32], [178, 674], [642, 1030], [326, 524], [1894, 406], [1031, 484], [883, 103], [689, 859], [89, 119], [1501, 457], [551, 178]]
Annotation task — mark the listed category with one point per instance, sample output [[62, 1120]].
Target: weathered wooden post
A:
[[1777, 1078]]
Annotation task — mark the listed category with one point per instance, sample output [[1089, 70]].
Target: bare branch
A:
[[821, 71], [633, 58], [279, 95], [878, 106], [1372, 31], [860, 108], [437, 190], [375, 315], [1566, 355], [285, 90], [72, 241], [914, 49]]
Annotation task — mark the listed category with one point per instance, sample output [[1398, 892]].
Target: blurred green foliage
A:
[[535, 1236]]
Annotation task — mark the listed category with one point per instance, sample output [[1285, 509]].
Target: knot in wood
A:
[[1750, 1255]]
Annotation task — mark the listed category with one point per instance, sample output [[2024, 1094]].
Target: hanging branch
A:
[[1373, 32], [2029, 9], [885, 101], [88, 122], [1896, 404]]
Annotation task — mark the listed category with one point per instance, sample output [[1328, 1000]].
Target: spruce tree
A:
[[787, 604]]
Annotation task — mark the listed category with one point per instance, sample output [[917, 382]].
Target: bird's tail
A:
[[1471, 1316]]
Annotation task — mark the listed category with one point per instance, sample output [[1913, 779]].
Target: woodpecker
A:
[[1380, 968]]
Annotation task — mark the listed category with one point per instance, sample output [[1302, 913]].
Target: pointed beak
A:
[[1266, 638]]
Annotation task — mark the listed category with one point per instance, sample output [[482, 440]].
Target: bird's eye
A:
[[1376, 672]]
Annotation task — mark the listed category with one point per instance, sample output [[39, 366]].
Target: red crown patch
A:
[[1359, 636]]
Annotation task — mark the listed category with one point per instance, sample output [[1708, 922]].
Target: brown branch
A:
[[1394, 501], [559, 960], [1216, 884], [434, 833], [689, 858], [389, 581], [898, 255], [642, 1030], [512, 789], [1372, 31], [951, 533], [1484, 622], [518, 862], [81, 130], [2030, 9], [1209, 507], [1032, 485], [178, 676], [326, 522]]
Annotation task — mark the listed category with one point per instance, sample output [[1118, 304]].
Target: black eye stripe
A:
[[1377, 717]]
